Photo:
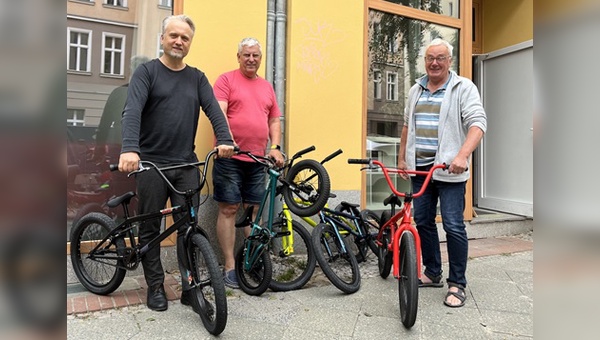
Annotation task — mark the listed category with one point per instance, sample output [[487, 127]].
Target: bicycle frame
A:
[[125, 228], [257, 231], [400, 222]]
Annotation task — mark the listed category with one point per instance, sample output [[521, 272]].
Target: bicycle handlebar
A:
[[150, 165], [332, 156], [302, 152], [387, 170]]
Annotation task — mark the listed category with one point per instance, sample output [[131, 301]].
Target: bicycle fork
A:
[[396, 247]]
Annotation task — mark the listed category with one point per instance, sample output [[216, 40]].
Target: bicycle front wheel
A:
[[384, 260], [309, 188], [293, 263], [253, 279], [339, 265], [209, 289], [408, 282], [102, 271]]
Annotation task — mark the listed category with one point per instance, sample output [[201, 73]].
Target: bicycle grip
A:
[[113, 167], [332, 156], [302, 152], [358, 161]]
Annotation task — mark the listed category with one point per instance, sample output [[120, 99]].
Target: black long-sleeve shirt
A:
[[161, 113]]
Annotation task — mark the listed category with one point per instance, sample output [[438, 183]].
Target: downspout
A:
[[270, 57], [280, 58]]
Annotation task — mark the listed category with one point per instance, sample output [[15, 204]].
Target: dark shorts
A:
[[236, 181]]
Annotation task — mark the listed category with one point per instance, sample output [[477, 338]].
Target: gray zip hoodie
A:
[[461, 109]]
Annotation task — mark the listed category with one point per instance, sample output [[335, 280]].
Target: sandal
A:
[[460, 294], [436, 281]]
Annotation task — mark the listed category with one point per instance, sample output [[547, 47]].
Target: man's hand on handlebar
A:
[[402, 166], [459, 165], [129, 161], [225, 151], [277, 156]]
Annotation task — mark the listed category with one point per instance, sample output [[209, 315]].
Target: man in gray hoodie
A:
[[444, 122]]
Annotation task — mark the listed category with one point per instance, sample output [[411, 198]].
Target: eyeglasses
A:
[[441, 59]]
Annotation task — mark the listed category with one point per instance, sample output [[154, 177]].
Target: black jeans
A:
[[153, 193]]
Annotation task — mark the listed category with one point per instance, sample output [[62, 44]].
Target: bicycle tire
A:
[[101, 276], [340, 268], [384, 260], [291, 271], [256, 280], [358, 247], [209, 294], [86, 209], [408, 282], [309, 188], [371, 223]]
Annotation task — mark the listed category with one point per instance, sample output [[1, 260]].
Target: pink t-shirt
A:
[[250, 105]]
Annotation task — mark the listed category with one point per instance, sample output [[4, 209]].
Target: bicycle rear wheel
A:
[[98, 275], [291, 269], [370, 223], [384, 260], [408, 282], [357, 244], [309, 188], [340, 267], [256, 279], [209, 291]]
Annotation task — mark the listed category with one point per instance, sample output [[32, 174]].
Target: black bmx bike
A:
[[102, 251]]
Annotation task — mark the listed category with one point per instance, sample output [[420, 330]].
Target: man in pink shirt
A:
[[251, 108]]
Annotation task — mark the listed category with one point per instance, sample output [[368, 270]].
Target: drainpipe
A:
[[280, 57], [270, 46]]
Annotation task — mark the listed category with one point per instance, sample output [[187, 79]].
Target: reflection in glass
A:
[[444, 7], [396, 59]]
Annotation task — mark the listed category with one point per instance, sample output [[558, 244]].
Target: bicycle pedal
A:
[[283, 233]]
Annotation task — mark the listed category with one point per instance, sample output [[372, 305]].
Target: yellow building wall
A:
[[506, 23], [220, 26], [325, 84], [324, 105]]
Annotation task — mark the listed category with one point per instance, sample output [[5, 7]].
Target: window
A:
[[443, 7], [392, 86], [117, 3], [79, 54], [160, 50], [165, 3], [377, 84], [113, 53], [75, 117]]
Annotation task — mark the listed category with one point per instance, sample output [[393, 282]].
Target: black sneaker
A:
[[157, 299]]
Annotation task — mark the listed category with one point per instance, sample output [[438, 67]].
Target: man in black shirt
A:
[[159, 124]]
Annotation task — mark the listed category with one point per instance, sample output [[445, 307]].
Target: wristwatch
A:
[[275, 147]]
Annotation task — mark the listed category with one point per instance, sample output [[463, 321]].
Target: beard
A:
[[176, 54]]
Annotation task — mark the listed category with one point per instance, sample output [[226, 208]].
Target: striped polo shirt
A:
[[427, 114]]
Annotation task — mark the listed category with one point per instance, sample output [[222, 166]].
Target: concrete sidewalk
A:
[[499, 306]]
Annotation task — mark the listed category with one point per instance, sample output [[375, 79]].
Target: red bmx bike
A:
[[398, 240]]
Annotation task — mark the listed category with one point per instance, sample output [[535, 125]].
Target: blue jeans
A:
[[452, 206]]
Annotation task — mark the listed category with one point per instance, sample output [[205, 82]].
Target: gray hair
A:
[[248, 42], [181, 17], [440, 41]]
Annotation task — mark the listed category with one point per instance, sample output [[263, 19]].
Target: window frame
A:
[[88, 62], [122, 51], [377, 84], [169, 3], [75, 120], [394, 85], [111, 3]]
